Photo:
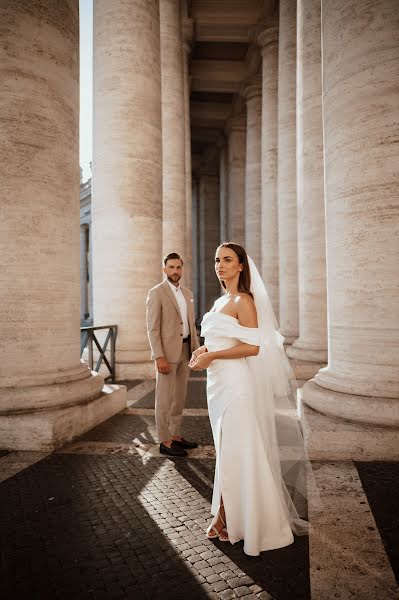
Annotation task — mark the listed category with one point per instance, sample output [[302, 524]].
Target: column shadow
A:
[[80, 526]]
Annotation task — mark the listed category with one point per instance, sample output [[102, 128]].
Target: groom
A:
[[173, 337]]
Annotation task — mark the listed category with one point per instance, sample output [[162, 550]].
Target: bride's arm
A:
[[241, 350]]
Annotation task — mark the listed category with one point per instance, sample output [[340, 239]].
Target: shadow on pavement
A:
[[283, 573], [79, 526]]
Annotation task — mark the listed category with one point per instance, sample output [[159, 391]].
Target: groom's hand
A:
[[162, 365]]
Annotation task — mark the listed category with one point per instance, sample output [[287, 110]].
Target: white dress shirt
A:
[[181, 301]]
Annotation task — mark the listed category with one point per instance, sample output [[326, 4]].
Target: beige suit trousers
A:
[[170, 397]]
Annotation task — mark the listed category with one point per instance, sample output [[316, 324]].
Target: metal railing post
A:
[[91, 349], [113, 343], [88, 337]]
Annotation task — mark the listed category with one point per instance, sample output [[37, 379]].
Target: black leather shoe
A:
[[185, 444], [173, 450]]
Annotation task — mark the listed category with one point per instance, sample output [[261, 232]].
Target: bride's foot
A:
[[217, 529]]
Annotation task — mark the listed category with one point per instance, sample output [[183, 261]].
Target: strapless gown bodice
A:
[[219, 329], [222, 331]]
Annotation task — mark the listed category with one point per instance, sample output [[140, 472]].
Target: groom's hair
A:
[[171, 256], [244, 282]]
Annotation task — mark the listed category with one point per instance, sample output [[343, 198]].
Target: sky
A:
[[86, 85]]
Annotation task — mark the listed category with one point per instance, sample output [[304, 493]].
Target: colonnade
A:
[[304, 176], [329, 249], [311, 193], [360, 116]]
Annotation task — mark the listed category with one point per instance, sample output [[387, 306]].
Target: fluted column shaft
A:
[[174, 107], [209, 213], [224, 193], [127, 173], [90, 268], [40, 363], [311, 346], [84, 296], [287, 208], [253, 189], [361, 111], [268, 42], [236, 141], [188, 254], [196, 245]]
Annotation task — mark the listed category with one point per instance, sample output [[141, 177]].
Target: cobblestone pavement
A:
[[106, 519]]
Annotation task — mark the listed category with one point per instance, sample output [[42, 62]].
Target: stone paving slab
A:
[[347, 556], [196, 396], [14, 462], [188, 412], [198, 375], [127, 428], [145, 451], [130, 383]]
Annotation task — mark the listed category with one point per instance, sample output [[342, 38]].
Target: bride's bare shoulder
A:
[[246, 310], [245, 299]]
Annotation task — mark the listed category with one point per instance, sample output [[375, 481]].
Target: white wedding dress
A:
[[251, 496]]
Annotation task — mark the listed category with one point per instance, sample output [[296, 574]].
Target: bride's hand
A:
[[196, 354], [201, 362]]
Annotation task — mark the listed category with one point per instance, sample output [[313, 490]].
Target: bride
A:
[[260, 473]]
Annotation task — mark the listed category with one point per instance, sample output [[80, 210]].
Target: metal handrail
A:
[[87, 338]]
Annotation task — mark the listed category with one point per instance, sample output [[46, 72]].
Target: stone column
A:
[[287, 210], [187, 29], [252, 91], [209, 238], [47, 395], [196, 243], [174, 108], [224, 193], [84, 296], [127, 174], [268, 42], [90, 268], [309, 352], [361, 112], [236, 133]]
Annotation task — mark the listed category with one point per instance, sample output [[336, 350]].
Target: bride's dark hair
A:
[[244, 282]]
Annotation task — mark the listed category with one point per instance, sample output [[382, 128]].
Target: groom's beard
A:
[[174, 278]]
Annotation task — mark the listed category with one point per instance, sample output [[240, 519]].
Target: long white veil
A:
[[275, 394]]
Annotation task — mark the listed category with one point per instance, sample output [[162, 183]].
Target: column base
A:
[[49, 430], [305, 362], [289, 340], [304, 369], [300, 352], [360, 409], [332, 438]]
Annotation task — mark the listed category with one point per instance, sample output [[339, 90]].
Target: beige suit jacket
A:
[[164, 322]]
